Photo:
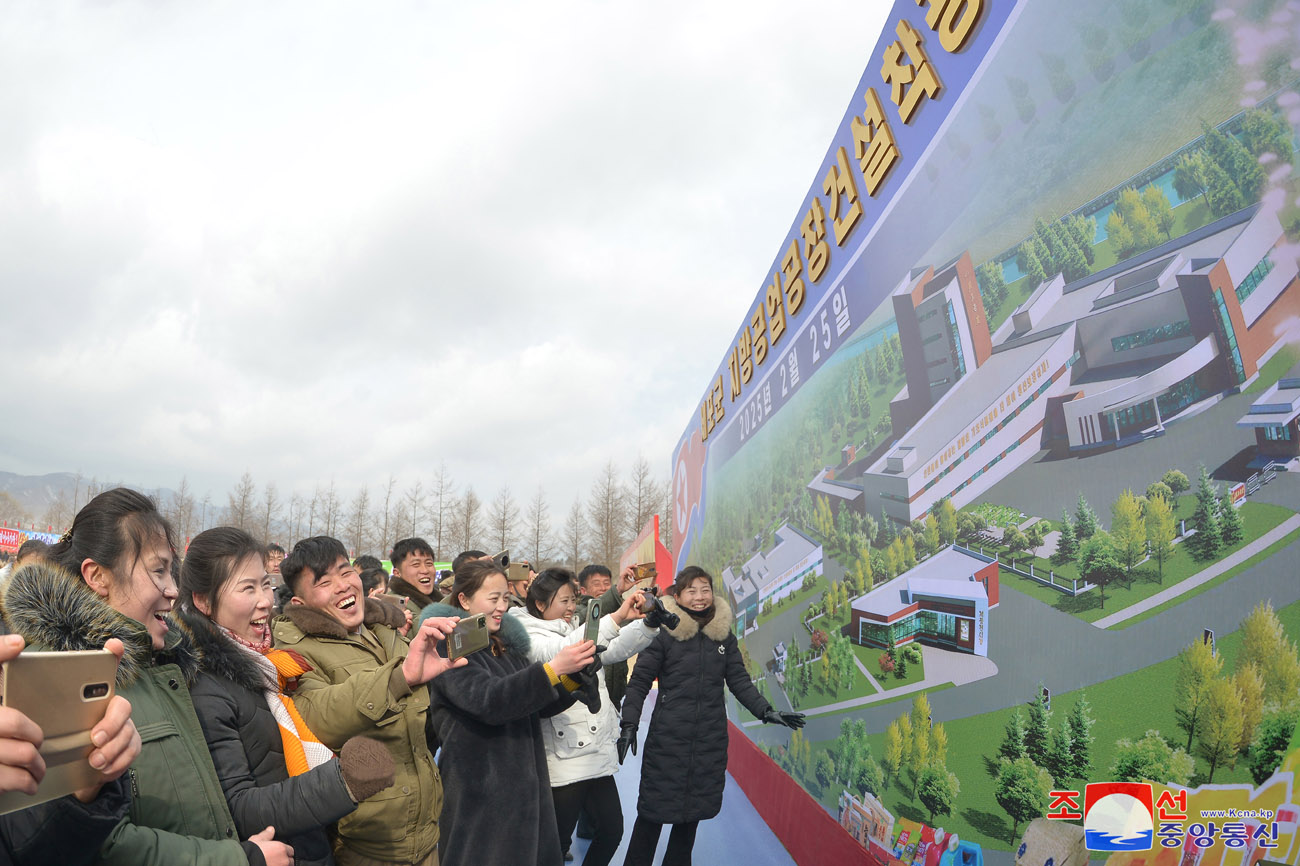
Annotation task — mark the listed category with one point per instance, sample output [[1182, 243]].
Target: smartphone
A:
[[66, 694], [592, 632], [469, 636]]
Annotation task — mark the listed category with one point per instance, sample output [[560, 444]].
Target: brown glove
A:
[[367, 767]]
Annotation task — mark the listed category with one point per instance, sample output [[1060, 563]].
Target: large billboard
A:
[[1007, 436]]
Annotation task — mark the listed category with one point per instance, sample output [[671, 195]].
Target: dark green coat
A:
[[178, 813]]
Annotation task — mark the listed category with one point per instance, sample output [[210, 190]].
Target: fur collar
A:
[[717, 629], [218, 654], [319, 624], [400, 586], [512, 633], [53, 610]]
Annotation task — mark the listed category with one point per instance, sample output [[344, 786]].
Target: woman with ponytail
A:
[[272, 768], [111, 576]]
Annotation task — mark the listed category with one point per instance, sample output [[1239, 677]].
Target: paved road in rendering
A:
[[1043, 486], [1203, 576], [1032, 642]]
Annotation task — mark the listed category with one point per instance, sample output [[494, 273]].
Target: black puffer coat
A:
[[498, 808], [244, 739], [683, 770]]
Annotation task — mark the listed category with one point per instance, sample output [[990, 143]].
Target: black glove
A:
[[626, 740], [790, 720], [593, 667], [661, 616], [588, 691]]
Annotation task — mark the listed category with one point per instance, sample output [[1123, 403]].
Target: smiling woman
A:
[[116, 581], [272, 768]]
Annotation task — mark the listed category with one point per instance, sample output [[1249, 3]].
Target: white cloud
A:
[[318, 240]]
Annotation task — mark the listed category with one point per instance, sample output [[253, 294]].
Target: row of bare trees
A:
[[451, 517]]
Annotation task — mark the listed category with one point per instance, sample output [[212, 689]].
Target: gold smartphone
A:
[[66, 694], [469, 636]]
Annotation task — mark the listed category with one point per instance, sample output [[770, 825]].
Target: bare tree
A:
[[413, 506], [333, 507], [644, 495], [297, 510], [574, 535], [606, 514], [443, 505], [666, 517], [503, 515], [240, 509], [270, 514], [385, 519], [537, 529], [59, 514], [359, 527], [205, 507], [468, 528], [181, 513], [313, 510]]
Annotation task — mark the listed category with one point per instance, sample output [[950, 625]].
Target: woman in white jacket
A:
[[581, 755]]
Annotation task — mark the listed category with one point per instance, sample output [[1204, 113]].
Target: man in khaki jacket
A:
[[366, 680]]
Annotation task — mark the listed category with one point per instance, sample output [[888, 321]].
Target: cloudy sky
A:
[[337, 240]]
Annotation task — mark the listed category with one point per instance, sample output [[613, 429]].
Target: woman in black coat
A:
[[683, 771], [225, 603], [497, 809]]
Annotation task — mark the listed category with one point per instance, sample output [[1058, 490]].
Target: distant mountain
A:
[[36, 493]]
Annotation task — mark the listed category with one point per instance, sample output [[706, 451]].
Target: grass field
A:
[[1146, 579], [1124, 707], [870, 658], [817, 588]]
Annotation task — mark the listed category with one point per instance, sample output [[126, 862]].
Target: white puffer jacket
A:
[[579, 745]]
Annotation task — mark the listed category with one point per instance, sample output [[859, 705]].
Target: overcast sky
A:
[[338, 240]]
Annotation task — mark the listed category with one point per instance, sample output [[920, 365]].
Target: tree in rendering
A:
[[1085, 520], [937, 790], [1159, 523], [1271, 742], [1022, 791], [1198, 668], [1128, 530], [1176, 481], [1013, 738], [1038, 728], [1099, 563], [1151, 759], [1067, 546], [1218, 726], [1230, 526]]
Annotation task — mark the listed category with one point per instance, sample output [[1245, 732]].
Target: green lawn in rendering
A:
[[1145, 581], [1124, 707]]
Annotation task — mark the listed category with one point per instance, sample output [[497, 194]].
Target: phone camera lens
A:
[[94, 690]]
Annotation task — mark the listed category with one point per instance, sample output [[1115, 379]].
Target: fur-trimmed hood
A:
[[53, 610], [717, 629], [401, 586], [311, 621], [218, 654], [512, 633]]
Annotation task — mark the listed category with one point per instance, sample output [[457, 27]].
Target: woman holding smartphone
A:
[[113, 578], [271, 766], [581, 757], [498, 806]]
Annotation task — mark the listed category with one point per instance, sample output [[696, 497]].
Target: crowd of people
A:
[[298, 707]]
